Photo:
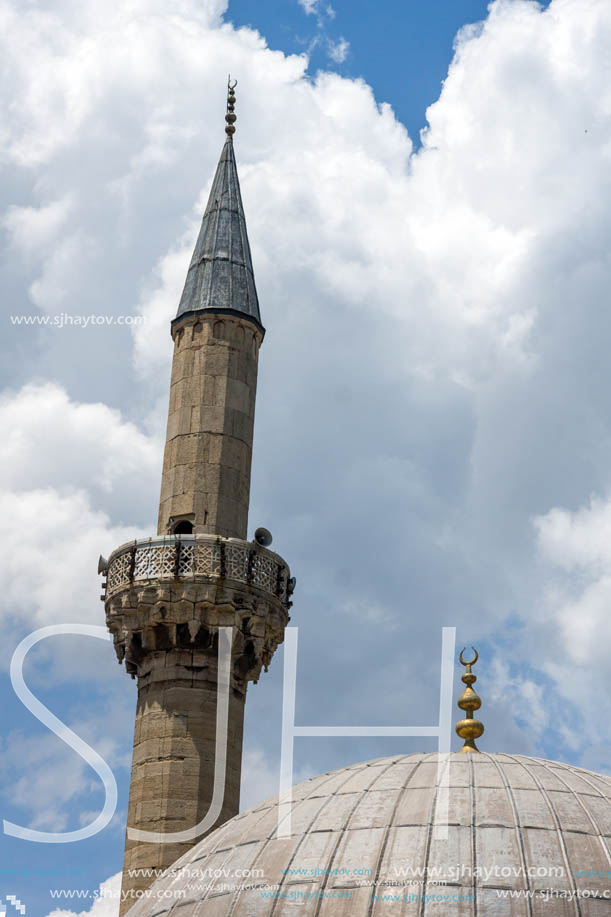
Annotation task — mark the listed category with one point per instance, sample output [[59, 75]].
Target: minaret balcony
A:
[[205, 559], [173, 592]]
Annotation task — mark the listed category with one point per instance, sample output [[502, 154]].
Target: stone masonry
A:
[[165, 631], [206, 469]]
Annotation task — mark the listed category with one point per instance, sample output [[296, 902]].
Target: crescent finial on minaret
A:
[[230, 117], [469, 729]]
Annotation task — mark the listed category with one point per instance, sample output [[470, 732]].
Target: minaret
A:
[[175, 601]]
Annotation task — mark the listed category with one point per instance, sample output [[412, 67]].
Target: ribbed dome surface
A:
[[516, 824]]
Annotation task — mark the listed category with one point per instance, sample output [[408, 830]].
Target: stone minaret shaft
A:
[[217, 334], [167, 596]]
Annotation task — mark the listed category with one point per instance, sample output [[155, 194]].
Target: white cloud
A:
[[60, 462], [58, 459], [577, 546], [77, 64], [53, 440], [37, 233], [53, 290], [439, 315], [51, 575], [438, 247], [505, 686], [580, 539], [571, 620], [105, 905], [317, 8], [151, 339], [338, 50], [310, 6], [442, 236], [33, 229]]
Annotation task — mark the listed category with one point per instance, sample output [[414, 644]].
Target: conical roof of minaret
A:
[[220, 277]]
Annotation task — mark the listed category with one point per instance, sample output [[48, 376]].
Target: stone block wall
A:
[[208, 453]]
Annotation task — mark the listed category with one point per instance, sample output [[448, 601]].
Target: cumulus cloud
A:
[[578, 540], [435, 372], [53, 440], [573, 615], [576, 546], [78, 60], [36, 234], [438, 246], [67, 468]]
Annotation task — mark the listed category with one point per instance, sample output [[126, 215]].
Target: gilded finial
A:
[[469, 729], [230, 117]]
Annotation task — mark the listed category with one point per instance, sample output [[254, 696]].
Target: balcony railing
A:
[[201, 558]]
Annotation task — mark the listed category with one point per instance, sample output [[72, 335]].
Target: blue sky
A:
[[432, 439], [402, 50]]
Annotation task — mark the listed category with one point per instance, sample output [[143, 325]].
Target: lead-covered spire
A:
[[220, 277]]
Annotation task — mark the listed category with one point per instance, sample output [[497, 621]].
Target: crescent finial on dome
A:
[[469, 729]]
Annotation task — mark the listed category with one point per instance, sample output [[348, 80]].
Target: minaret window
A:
[[184, 527]]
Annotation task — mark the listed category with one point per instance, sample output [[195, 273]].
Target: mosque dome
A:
[[525, 836]]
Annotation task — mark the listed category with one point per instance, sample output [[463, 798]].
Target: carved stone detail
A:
[[153, 619], [201, 558]]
